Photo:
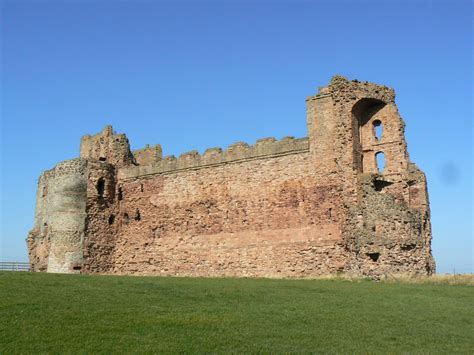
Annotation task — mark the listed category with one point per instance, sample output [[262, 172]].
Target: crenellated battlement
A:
[[239, 151], [148, 155]]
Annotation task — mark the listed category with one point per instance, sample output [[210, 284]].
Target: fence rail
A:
[[14, 266]]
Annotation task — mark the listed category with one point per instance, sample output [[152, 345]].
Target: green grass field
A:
[[103, 314]]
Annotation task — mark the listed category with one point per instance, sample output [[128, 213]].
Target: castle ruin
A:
[[305, 207]]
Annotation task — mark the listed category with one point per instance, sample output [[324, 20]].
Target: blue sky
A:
[[196, 74]]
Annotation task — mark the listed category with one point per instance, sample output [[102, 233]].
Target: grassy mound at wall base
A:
[[119, 314]]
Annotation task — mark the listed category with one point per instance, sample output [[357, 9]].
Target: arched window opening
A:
[[363, 114], [366, 108], [380, 161], [101, 187], [378, 130]]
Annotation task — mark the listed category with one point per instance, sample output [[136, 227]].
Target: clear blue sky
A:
[[197, 74]]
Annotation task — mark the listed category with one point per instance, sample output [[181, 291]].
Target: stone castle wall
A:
[[281, 208], [262, 217]]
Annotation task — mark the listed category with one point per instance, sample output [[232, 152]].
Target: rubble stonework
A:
[[281, 208]]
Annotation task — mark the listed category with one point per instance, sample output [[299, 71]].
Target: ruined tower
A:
[[302, 207]]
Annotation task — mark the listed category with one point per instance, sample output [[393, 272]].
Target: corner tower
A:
[[75, 209], [351, 125]]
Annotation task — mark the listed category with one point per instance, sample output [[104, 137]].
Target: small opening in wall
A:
[[141, 187], [378, 129], [379, 185], [373, 256], [101, 187], [102, 158], [111, 219], [408, 247], [126, 218], [77, 268], [380, 161], [120, 193], [137, 215]]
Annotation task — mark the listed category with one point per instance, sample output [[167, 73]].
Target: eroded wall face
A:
[[386, 228], [107, 146], [385, 235], [266, 217], [55, 243], [101, 205], [37, 239], [73, 231], [291, 208]]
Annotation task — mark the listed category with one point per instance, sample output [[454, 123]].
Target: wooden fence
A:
[[14, 266]]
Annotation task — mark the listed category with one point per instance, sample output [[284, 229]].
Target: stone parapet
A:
[[240, 151]]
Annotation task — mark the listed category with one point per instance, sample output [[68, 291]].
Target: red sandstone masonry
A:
[[290, 208]]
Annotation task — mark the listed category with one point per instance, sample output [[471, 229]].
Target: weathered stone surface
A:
[[280, 208]]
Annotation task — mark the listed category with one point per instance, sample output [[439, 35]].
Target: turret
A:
[[107, 146]]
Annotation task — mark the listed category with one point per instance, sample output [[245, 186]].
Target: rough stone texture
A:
[[107, 146], [55, 243], [290, 208]]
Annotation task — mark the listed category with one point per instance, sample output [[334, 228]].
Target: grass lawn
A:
[[91, 314]]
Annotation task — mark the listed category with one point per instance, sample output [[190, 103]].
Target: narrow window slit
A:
[[378, 130], [101, 187], [380, 161]]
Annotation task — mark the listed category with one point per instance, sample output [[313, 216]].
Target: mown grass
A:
[[42, 313]]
